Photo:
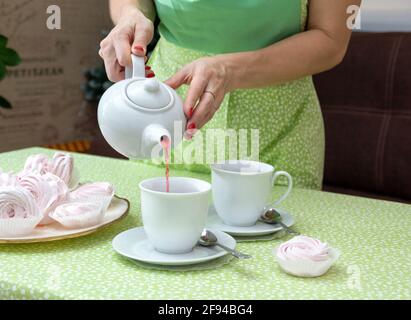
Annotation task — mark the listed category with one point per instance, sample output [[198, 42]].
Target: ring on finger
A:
[[214, 97], [210, 92]]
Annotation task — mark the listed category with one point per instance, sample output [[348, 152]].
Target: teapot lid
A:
[[148, 93]]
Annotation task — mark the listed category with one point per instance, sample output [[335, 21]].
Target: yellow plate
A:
[[117, 210]]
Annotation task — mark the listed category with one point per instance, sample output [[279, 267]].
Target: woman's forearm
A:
[[119, 7], [301, 55]]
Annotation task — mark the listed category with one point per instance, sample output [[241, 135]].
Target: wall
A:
[[44, 90], [386, 15]]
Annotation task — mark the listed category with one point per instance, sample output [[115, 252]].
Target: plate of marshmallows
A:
[[45, 202]]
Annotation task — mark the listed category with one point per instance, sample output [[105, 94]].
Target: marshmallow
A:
[[78, 214], [305, 257], [38, 163], [48, 191], [19, 213], [61, 165], [98, 191]]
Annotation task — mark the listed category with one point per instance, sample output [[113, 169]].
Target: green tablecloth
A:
[[373, 236]]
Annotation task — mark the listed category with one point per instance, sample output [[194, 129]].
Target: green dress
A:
[[288, 116]]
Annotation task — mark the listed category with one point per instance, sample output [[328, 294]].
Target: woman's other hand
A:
[[132, 34], [209, 80]]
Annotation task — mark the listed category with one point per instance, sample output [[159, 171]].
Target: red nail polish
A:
[[191, 126], [190, 112], [139, 49], [148, 68], [150, 75]]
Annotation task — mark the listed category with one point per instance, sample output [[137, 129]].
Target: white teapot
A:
[[135, 114]]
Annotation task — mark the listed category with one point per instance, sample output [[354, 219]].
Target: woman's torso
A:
[[287, 117], [221, 26]]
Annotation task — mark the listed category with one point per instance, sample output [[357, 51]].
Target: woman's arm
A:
[[319, 48], [119, 7]]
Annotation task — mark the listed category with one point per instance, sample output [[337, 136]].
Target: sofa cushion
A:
[[366, 103]]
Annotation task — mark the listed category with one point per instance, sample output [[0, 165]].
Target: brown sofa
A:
[[366, 103]]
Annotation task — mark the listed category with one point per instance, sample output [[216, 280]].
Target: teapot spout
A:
[[152, 137]]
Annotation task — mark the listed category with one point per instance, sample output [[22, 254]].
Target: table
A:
[[372, 235]]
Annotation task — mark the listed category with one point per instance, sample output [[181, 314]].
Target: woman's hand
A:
[[209, 82], [132, 34]]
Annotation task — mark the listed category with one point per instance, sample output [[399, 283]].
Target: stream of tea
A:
[[165, 143]]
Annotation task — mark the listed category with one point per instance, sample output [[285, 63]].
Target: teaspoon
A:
[[271, 216], [208, 239]]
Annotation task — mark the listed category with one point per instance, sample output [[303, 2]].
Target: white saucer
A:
[[259, 229], [134, 244]]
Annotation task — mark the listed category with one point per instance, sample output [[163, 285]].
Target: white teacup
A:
[[173, 221], [242, 189]]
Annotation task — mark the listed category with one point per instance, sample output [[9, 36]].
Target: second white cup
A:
[[241, 190], [173, 221]]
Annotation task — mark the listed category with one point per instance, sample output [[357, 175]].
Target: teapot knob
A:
[[151, 85]]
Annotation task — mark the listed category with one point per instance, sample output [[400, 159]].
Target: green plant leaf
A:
[[3, 41], [2, 70], [4, 103], [9, 57]]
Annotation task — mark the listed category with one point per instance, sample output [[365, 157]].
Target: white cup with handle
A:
[[242, 188]]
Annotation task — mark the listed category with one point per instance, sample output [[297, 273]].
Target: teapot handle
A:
[[137, 69]]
